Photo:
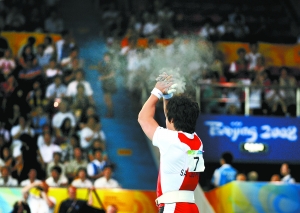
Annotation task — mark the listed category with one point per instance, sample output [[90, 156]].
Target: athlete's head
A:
[[183, 112], [226, 158]]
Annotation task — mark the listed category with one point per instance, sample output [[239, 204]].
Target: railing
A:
[[246, 89]]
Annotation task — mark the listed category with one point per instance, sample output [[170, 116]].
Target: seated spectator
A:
[[60, 116], [68, 151], [7, 65], [20, 169], [47, 149], [286, 79], [253, 56], [49, 47], [6, 179], [56, 162], [41, 138], [91, 131], [90, 111], [151, 27], [226, 173], [275, 100], [275, 178], [24, 127], [95, 168], [64, 45], [39, 119], [28, 56], [286, 174], [6, 156], [97, 144], [69, 74], [56, 179], [29, 75], [7, 88], [52, 71], [15, 20], [82, 181], [36, 97], [252, 176], [80, 102], [106, 181], [72, 167], [256, 94], [32, 178], [31, 40], [241, 177], [37, 197], [240, 67], [64, 133], [42, 59], [67, 62], [72, 87], [53, 23], [5, 137]]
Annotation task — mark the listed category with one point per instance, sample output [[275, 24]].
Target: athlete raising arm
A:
[[180, 148]]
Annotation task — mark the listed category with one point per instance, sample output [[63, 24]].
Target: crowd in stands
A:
[[50, 129], [31, 16], [227, 173]]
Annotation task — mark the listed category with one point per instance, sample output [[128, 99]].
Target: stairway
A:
[[126, 143]]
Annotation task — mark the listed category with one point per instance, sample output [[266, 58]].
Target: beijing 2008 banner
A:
[[221, 133]]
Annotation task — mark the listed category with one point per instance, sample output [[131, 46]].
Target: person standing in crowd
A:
[[181, 159], [286, 175], [226, 173], [108, 82]]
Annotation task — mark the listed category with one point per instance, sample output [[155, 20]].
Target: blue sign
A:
[[220, 133]]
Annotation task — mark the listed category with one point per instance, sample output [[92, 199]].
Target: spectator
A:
[[39, 120], [24, 127], [108, 82], [8, 88], [56, 162], [97, 144], [47, 149], [29, 75], [239, 68], [151, 27], [5, 136], [106, 181], [60, 116], [256, 94], [53, 23], [32, 178], [275, 178], [7, 65], [80, 102], [72, 87], [67, 62], [14, 113], [30, 43], [20, 169], [49, 47], [90, 111], [286, 79], [64, 133], [28, 56], [91, 131], [6, 179], [108, 19], [95, 168], [252, 176], [6, 156], [69, 74], [253, 55], [286, 175], [36, 97], [42, 58], [241, 177], [52, 71], [74, 205], [68, 151], [82, 181], [15, 20], [39, 200], [56, 179], [64, 46], [73, 166], [226, 173], [112, 209]]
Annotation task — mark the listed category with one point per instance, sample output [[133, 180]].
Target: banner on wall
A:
[[221, 133], [17, 39], [276, 55], [127, 201], [255, 197]]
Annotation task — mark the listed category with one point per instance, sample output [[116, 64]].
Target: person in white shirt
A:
[[91, 131], [60, 117], [285, 172], [107, 181], [56, 162], [252, 56], [31, 178], [56, 179], [95, 167], [6, 179], [47, 149], [38, 199], [82, 181], [72, 86]]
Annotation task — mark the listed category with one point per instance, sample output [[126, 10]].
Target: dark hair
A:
[[97, 150], [184, 113], [241, 50], [227, 157], [81, 169], [57, 169]]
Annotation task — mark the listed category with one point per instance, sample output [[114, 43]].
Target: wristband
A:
[[168, 96], [157, 93]]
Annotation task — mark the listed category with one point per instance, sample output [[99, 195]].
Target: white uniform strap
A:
[[182, 196]]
